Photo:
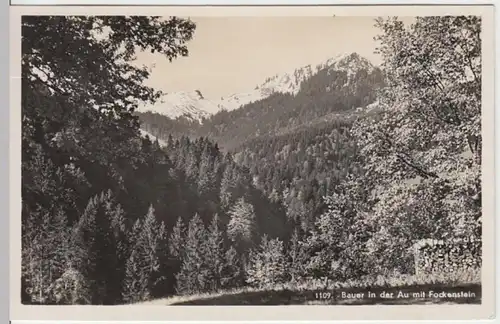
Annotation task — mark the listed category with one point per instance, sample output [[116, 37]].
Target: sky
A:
[[234, 54]]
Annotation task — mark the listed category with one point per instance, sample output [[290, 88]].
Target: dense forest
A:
[[286, 189]]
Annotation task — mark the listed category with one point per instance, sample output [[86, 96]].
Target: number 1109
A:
[[323, 295]]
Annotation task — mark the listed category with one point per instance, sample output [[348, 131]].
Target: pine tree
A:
[[133, 235], [120, 245], [143, 268], [206, 176], [58, 246], [241, 227], [177, 239], [72, 288], [176, 246], [192, 162], [135, 286], [194, 273], [170, 142], [44, 254], [267, 266], [106, 279], [95, 250], [215, 254], [232, 273], [84, 246], [161, 279], [297, 256], [227, 185]]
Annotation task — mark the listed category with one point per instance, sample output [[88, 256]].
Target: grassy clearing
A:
[[461, 288]]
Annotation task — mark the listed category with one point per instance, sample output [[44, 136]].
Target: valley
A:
[[305, 182]]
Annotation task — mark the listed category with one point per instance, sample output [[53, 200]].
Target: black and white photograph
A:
[[253, 160]]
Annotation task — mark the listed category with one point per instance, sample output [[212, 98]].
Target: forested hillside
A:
[[97, 198], [300, 168], [337, 181], [366, 161], [163, 126]]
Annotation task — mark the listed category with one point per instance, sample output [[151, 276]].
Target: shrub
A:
[[437, 256]]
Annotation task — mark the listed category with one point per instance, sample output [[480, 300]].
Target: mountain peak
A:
[[349, 62], [193, 105], [188, 104], [292, 81]]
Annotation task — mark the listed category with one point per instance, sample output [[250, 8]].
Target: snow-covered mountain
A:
[[291, 82], [191, 105], [349, 63], [196, 107], [284, 83]]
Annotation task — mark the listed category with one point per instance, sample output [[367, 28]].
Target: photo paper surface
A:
[[320, 160]]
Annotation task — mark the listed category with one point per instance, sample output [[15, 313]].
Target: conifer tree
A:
[[96, 249], [194, 272], [133, 234], [45, 254], [135, 286], [84, 246], [170, 142], [176, 239], [241, 227], [297, 256], [215, 254], [206, 176], [160, 278], [106, 274], [226, 186], [72, 288], [143, 268], [176, 246], [267, 264], [232, 273], [119, 243]]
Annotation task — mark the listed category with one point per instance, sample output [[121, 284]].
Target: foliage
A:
[[241, 227], [267, 265], [457, 255], [80, 139], [232, 273], [145, 266], [423, 153], [215, 254], [71, 288], [312, 192], [44, 254], [194, 272]]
